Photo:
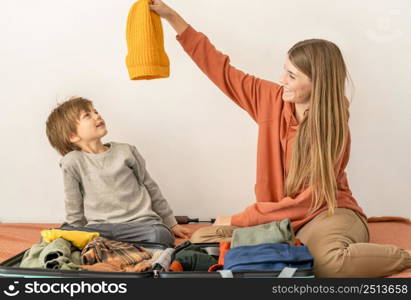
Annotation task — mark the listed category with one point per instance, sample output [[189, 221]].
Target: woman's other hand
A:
[[222, 220]]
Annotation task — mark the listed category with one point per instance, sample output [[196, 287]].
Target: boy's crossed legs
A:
[[130, 232]]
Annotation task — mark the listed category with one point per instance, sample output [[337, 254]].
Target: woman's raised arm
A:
[[249, 92]]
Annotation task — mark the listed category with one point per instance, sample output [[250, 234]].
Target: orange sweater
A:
[[277, 125]]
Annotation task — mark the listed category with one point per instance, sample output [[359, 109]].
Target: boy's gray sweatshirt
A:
[[112, 187]]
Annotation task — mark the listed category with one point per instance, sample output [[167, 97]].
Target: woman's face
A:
[[297, 85]]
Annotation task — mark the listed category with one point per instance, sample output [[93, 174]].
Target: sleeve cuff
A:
[[170, 221], [189, 31], [189, 38]]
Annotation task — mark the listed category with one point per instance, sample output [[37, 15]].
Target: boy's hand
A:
[[222, 220], [180, 231]]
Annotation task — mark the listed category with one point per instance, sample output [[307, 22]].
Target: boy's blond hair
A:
[[62, 123]]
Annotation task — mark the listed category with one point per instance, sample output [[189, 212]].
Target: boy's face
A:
[[90, 127]]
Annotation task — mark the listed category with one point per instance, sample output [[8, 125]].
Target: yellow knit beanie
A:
[[146, 58]]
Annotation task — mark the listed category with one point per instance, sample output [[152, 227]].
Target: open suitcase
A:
[[10, 268]]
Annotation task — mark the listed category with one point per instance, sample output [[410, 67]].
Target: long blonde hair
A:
[[322, 134]]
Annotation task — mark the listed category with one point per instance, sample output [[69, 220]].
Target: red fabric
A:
[[215, 267], [224, 248], [176, 266]]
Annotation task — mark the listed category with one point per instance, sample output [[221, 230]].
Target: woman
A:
[[303, 149]]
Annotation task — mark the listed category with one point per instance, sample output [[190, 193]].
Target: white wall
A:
[[199, 147]]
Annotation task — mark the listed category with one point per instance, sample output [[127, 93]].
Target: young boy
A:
[[107, 187]]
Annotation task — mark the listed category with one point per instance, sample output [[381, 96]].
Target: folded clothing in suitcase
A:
[[257, 251], [268, 256], [303, 270], [12, 267]]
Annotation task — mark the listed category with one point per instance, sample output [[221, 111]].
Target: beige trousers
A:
[[339, 244]]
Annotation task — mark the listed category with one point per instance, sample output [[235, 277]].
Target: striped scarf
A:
[[113, 252]]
